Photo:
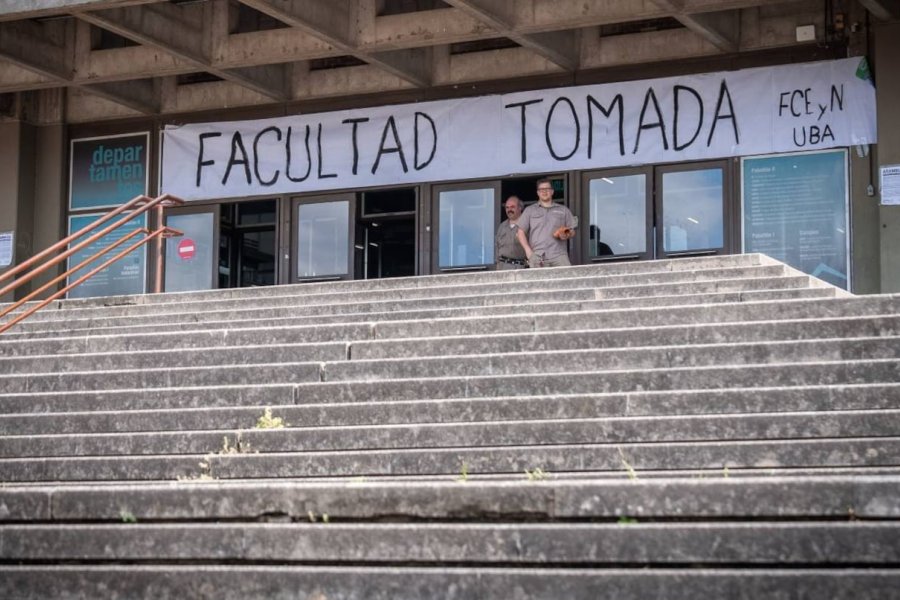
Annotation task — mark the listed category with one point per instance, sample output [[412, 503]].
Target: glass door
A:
[[657, 212], [322, 237], [620, 215], [691, 211], [466, 222], [191, 261]]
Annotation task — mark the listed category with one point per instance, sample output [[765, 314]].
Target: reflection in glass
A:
[[466, 228], [692, 210], [618, 215], [323, 231], [192, 267]]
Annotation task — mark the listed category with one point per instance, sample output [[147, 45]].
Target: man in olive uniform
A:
[[508, 252], [544, 229]]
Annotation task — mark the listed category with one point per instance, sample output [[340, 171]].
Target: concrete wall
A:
[[32, 160], [16, 175], [887, 67]]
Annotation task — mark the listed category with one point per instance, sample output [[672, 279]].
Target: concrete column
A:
[[32, 172], [16, 173], [886, 66]]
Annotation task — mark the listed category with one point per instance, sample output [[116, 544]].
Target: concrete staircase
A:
[[719, 427]]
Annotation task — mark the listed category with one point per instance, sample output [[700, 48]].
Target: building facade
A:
[[351, 139]]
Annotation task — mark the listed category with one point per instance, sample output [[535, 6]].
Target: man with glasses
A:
[[508, 251], [544, 229]]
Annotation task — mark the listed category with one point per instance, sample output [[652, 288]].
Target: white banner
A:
[[754, 111]]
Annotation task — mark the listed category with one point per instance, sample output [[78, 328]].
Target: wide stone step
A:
[[466, 366], [109, 413], [626, 458], [175, 357], [402, 583], [805, 425], [618, 285], [543, 496], [464, 306], [498, 343], [710, 287], [530, 322], [584, 360], [162, 388], [492, 319], [643, 317], [428, 281], [759, 543], [662, 335], [413, 583]]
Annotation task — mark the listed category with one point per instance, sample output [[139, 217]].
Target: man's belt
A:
[[513, 261]]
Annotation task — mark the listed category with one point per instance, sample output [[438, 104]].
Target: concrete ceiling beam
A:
[[25, 43], [721, 29], [168, 28], [559, 47], [334, 22], [11, 10], [883, 10], [141, 95]]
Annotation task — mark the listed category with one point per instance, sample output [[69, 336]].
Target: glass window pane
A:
[[618, 215], [323, 231], [466, 227], [256, 213], [692, 210], [189, 259], [257, 258]]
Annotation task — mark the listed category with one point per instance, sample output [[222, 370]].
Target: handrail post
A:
[[158, 251]]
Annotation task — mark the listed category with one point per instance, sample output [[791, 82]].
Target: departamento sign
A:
[[750, 112]]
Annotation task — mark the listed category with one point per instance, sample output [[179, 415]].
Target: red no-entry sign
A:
[[186, 249]]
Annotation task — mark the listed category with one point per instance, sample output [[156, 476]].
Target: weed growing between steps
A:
[[537, 474], [632, 474], [267, 421], [127, 516], [463, 472]]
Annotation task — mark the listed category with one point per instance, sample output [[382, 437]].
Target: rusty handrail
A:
[[65, 241], [143, 204], [158, 234]]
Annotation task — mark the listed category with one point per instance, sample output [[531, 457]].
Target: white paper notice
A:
[[6, 248], [890, 184]]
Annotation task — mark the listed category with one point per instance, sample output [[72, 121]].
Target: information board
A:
[[795, 210], [107, 171], [125, 276]]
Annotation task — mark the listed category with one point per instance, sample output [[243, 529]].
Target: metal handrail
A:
[[158, 234], [138, 206], [143, 204]]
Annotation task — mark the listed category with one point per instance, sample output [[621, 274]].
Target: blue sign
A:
[[108, 171], [125, 276], [795, 210]]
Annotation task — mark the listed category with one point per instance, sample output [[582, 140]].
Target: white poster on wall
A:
[[754, 111], [890, 185]]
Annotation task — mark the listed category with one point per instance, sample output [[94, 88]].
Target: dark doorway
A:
[[247, 241], [385, 244]]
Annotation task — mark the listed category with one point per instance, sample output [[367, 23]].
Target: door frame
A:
[[189, 209], [585, 206], [436, 190], [295, 203], [727, 187]]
